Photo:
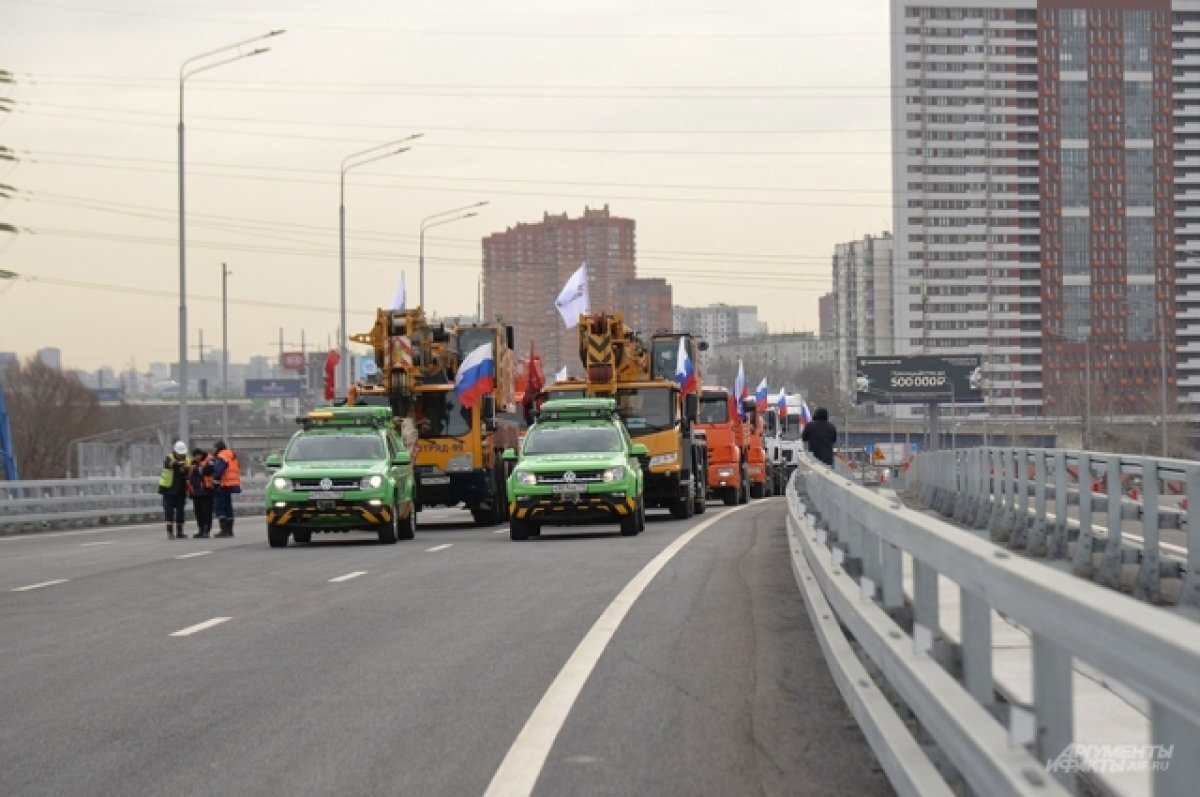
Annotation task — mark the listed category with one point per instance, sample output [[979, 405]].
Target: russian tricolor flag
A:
[[781, 404], [476, 376], [805, 415], [760, 395], [685, 371], [739, 390]]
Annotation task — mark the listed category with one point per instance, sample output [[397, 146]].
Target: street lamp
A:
[[185, 72], [353, 161], [425, 225]]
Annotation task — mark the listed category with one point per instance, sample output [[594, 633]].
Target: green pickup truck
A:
[[345, 470], [577, 465]]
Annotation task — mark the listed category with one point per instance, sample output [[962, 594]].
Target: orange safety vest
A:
[[232, 477]]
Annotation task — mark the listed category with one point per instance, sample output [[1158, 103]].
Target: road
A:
[[131, 664]]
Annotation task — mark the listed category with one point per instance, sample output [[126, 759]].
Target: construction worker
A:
[[172, 486], [227, 479], [200, 488]]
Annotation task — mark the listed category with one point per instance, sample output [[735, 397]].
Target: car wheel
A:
[[642, 515], [302, 536], [407, 528], [277, 536], [518, 529], [629, 524], [387, 531]]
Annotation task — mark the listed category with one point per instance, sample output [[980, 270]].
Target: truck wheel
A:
[[730, 496], [302, 536], [744, 488], [699, 492], [500, 499], [277, 536], [681, 508], [518, 529], [407, 528], [758, 490]]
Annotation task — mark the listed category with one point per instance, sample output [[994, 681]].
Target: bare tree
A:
[[47, 410]]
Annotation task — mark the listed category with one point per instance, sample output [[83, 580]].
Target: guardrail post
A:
[[925, 607], [1147, 586], [1019, 528], [983, 507], [966, 477], [870, 560], [1037, 524], [893, 576], [1175, 751], [1114, 544], [999, 499], [977, 646], [1190, 595], [1081, 562], [1053, 703], [1058, 544]]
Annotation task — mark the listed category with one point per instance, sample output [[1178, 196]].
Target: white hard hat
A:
[[180, 448]]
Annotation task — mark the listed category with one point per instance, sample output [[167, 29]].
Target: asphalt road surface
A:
[[135, 665]]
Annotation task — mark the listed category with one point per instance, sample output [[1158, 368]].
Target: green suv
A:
[[576, 465], [345, 470]]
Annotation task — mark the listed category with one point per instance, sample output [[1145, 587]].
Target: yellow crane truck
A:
[[456, 450]]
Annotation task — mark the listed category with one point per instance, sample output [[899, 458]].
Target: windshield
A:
[[438, 414], [792, 428], [714, 408], [318, 447], [471, 338], [646, 409], [572, 440]]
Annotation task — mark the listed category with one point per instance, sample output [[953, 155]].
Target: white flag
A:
[[573, 300], [401, 296], [561, 376]]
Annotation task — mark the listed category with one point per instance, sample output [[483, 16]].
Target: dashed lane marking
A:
[[193, 554], [201, 626], [348, 576], [43, 584], [93, 544], [437, 548]]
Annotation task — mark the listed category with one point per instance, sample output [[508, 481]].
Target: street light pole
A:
[[353, 161], [184, 73], [224, 352], [425, 226]]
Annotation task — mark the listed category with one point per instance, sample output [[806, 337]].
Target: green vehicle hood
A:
[[303, 470], [597, 461]]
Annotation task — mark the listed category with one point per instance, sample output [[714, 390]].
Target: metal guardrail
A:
[[1024, 498], [29, 506], [849, 547]]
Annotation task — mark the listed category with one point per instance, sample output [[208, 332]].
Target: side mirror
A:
[[274, 462], [691, 407], [640, 450], [487, 411], [509, 455], [402, 458]]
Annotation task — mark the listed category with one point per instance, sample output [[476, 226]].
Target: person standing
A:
[[172, 486], [200, 487], [227, 480], [820, 434]]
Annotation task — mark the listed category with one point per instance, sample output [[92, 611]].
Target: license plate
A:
[[325, 494], [566, 489], [435, 480]]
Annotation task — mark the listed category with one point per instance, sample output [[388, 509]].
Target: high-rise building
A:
[[525, 267], [825, 310], [716, 324], [51, 357], [1048, 206], [862, 315]]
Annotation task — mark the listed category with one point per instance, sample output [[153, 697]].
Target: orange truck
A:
[[728, 445], [757, 464]]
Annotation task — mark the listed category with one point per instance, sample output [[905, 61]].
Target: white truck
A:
[[782, 440]]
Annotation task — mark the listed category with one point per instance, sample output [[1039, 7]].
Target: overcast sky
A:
[[745, 143]]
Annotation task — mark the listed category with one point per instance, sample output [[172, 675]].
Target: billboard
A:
[[920, 379], [274, 388], [292, 360]]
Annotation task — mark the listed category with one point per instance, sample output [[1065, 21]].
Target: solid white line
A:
[[193, 554], [438, 548], [201, 626], [91, 544], [43, 584], [348, 576], [520, 769], [1166, 546], [50, 535]]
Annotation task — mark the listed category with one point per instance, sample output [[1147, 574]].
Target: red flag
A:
[[534, 380], [331, 363]]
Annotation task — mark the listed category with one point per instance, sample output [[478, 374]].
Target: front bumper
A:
[[338, 515], [597, 507], [664, 488], [470, 487]]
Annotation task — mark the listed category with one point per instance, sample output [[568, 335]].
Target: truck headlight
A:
[[725, 472], [370, 482], [526, 478], [459, 463], [282, 483], [614, 474], [663, 459]]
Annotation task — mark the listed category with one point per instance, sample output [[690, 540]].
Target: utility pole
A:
[[225, 352], [200, 346]]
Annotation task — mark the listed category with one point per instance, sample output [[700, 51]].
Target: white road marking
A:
[[520, 769], [499, 531], [91, 544], [1166, 546], [348, 576], [436, 548], [43, 584], [193, 554], [50, 535], [201, 626]]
